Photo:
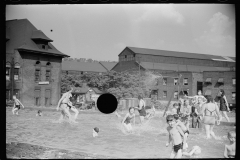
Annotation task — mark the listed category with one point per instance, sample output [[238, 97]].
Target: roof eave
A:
[[47, 53]]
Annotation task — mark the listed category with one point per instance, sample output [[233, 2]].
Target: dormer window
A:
[[41, 39]]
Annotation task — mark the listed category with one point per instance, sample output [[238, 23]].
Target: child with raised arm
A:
[[127, 120], [183, 127], [175, 136], [16, 105], [229, 151]]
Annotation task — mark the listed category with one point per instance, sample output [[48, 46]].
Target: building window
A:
[[48, 75], [37, 75], [8, 94], [185, 81], [233, 95], [81, 72], [16, 73], [7, 73], [125, 56], [176, 94], [47, 97], [164, 94], [37, 96], [48, 64], [164, 81], [175, 81], [208, 81], [234, 81]]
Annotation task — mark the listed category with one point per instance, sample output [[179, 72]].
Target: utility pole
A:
[[12, 77]]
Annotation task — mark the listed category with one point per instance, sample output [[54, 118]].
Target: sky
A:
[[102, 31]]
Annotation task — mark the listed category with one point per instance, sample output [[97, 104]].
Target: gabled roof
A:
[[177, 54], [82, 66], [21, 38], [108, 65], [38, 34]]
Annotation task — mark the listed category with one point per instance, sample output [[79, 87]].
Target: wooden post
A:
[[171, 96]]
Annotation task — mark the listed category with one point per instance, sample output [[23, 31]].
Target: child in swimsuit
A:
[[229, 151], [39, 113], [183, 127], [175, 136], [194, 153], [16, 105], [95, 131], [127, 120]]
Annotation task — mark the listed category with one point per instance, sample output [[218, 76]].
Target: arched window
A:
[[8, 66], [48, 64]]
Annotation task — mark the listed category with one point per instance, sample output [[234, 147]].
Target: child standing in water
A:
[[229, 151], [127, 120], [175, 136], [183, 127], [16, 105]]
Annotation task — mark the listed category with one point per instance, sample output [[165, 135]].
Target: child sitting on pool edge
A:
[[229, 151]]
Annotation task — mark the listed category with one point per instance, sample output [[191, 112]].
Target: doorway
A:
[[199, 86]]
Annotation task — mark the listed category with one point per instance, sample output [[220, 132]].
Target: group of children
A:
[[178, 129]]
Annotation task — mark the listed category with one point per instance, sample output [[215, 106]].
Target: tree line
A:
[[122, 85]]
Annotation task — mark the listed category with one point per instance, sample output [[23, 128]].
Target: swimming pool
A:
[[148, 141]]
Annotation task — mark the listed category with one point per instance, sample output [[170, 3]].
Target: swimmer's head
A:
[[39, 111], [140, 97], [175, 105], [176, 116], [209, 98], [199, 92], [197, 150], [96, 129], [232, 136], [131, 110], [170, 120]]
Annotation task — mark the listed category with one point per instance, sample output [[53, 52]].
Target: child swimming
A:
[[175, 136], [193, 153], [39, 113], [95, 131], [127, 120], [16, 105], [229, 151]]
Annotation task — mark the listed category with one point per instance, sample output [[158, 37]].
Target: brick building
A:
[[171, 64], [33, 65], [214, 81]]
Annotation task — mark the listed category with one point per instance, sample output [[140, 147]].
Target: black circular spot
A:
[[107, 103]]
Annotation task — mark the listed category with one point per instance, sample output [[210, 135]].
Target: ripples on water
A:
[[148, 140]]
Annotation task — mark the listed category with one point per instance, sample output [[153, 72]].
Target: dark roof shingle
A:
[[21, 38]]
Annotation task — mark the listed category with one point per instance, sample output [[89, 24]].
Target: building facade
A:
[[33, 65], [170, 64]]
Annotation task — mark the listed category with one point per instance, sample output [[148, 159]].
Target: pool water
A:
[[148, 141]]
